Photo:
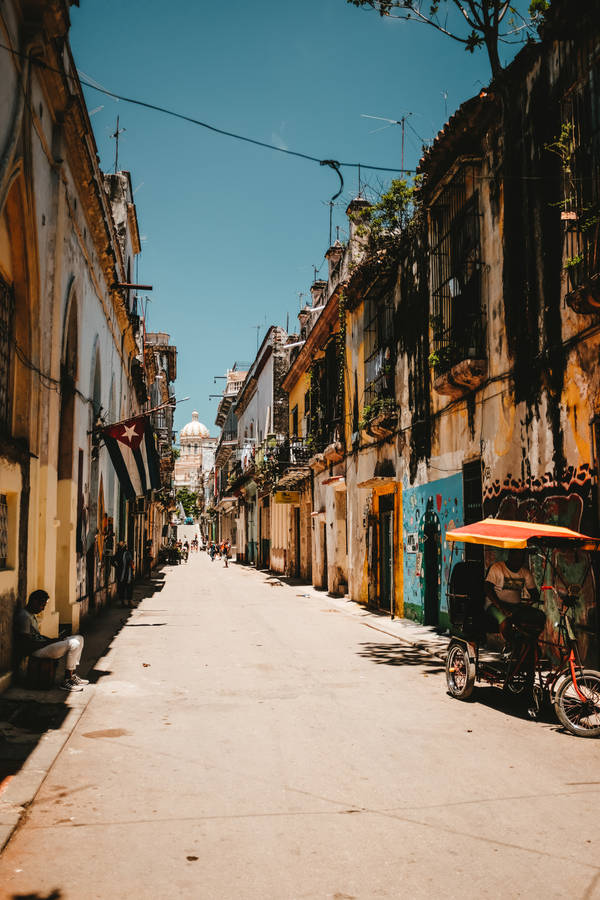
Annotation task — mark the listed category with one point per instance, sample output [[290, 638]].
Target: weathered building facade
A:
[[71, 354], [261, 410], [475, 385]]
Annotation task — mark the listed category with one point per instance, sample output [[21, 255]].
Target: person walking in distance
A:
[[123, 562], [30, 642]]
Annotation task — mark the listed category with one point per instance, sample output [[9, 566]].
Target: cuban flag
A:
[[133, 453]]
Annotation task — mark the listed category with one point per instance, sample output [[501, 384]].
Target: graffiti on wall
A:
[[568, 502], [429, 511]]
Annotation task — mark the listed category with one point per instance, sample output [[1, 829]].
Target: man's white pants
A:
[[71, 646]]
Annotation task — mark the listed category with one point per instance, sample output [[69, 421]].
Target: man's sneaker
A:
[[78, 680], [69, 684]]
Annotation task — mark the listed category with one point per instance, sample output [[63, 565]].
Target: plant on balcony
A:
[[382, 406]]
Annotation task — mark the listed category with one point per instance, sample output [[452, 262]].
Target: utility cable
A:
[[177, 115]]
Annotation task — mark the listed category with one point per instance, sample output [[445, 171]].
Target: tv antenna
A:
[[115, 135], [445, 96], [390, 122]]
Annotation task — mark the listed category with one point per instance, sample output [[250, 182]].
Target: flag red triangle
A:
[[129, 433]]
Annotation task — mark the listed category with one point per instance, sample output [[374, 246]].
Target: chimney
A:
[[355, 212], [317, 292], [333, 256]]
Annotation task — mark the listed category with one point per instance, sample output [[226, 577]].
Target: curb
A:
[[21, 790]]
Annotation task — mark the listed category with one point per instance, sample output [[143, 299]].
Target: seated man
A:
[[509, 591], [31, 643]]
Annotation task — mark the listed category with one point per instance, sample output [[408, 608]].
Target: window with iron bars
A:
[[455, 259], [7, 309], [379, 349], [581, 206]]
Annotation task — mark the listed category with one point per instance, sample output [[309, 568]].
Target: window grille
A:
[[458, 327], [7, 308], [3, 531], [379, 347], [582, 179]]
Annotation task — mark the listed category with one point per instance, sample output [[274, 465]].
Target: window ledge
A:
[[334, 453], [462, 378], [585, 299]]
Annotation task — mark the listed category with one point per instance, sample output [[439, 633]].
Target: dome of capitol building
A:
[[194, 429]]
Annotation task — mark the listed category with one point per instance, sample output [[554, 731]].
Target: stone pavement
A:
[[35, 725]]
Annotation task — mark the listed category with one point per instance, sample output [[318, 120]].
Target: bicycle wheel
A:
[[460, 671], [580, 714], [520, 674]]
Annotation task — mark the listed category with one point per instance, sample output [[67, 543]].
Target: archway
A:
[[91, 555], [66, 574]]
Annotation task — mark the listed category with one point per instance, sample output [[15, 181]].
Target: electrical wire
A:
[[47, 381], [194, 121]]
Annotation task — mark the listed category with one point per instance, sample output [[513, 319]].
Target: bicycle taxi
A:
[[533, 667]]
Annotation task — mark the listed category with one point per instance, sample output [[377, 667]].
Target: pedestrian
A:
[[186, 551], [30, 642], [226, 553], [123, 563]]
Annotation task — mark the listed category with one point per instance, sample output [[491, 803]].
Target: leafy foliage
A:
[[189, 501], [476, 23]]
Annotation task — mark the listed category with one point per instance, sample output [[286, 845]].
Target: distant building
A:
[[196, 456]]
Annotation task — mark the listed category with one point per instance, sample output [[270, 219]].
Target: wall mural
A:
[[569, 502], [437, 505]]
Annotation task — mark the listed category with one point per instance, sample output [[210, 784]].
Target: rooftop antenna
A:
[[390, 122], [359, 185], [301, 295], [445, 96], [258, 327], [337, 233], [115, 135]]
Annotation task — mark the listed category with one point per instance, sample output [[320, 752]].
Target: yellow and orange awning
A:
[[519, 535]]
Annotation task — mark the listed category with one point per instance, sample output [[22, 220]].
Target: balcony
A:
[[582, 267], [459, 358]]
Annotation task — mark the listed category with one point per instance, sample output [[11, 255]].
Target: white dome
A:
[[194, 428]]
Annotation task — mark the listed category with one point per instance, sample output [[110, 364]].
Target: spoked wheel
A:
[[520, 675], [460, 672], [578, 708]]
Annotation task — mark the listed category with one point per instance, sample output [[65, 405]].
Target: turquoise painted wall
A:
[[441, 502]]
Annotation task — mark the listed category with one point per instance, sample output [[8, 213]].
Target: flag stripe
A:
[[137, 455], [152, 457], [135, 461], [118, 462]]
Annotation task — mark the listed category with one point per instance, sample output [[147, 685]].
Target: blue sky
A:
[[231, 231]]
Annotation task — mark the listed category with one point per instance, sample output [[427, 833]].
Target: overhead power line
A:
[[232, 134]]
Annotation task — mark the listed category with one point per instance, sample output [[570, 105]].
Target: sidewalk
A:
[[35, 725]]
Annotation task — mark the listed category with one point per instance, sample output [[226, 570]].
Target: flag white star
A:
[[129, 432]]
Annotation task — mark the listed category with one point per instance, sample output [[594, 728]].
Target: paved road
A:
[[244, 741]]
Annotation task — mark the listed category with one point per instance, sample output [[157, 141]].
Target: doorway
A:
[[386, 555], [296, 512]]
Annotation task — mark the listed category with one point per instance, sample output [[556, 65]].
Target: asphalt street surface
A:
[[245, 739]]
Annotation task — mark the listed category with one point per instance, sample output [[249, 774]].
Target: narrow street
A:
[[246, 739]]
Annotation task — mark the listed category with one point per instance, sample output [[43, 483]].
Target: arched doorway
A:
[[66, 575], [91, 555]]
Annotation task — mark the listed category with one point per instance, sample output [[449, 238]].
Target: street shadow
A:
[[53, 895], [26, 715], [511, 705], [396, 654]]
